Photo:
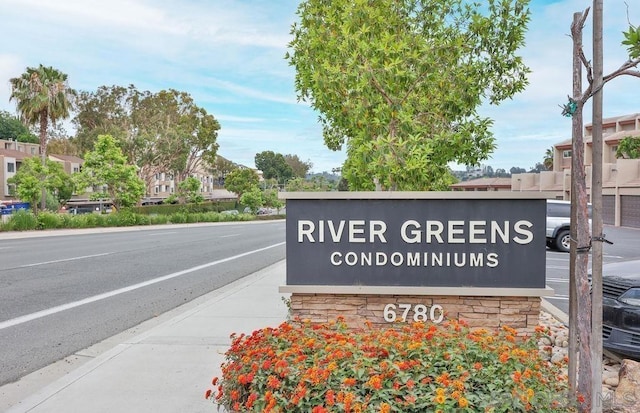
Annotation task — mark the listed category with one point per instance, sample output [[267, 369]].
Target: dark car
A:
[[621, 308]]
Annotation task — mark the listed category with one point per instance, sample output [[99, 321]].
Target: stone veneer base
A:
[[519, 312]]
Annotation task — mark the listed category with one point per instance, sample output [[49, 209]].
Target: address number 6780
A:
[[421, 313]]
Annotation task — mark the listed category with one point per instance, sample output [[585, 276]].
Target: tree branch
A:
[[587, 65], [378, 86], [413, 86], [625, 69]]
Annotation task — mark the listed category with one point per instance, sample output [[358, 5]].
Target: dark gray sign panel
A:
[[417, 242]]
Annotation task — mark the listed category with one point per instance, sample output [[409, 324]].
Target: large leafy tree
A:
[[106, 168], [42, 96], [158, 132], [273, 166], [399, 81], [189, 191], [222, 167], [32, 177], [62, 146], [241, 181], [299, 167], [12, 129]]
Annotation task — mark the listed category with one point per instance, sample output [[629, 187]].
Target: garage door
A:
[[609, 209], [630, 211]]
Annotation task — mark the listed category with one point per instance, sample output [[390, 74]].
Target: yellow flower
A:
[[530, 393], [462, 402], [439, 399]]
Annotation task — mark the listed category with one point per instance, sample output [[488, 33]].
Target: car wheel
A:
[[563, 241]]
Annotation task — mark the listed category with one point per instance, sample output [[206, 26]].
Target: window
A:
[[11, 167], [33, 151], [76, 169], [157, 190], [566, 153]]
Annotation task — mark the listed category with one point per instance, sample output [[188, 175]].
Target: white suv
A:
[[559, 224]]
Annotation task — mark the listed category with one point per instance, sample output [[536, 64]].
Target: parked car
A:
[[80, 210], [559, 224], [621, 308]]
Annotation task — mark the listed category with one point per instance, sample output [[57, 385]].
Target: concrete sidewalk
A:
[[168, 367]]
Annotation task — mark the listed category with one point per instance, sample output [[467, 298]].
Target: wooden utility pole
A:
[[596, 202]]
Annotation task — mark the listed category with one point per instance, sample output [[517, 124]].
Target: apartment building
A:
[[12, 153], [620, 177]]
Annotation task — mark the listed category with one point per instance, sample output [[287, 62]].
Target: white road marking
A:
[[63, 260], [558, 280], [230, 235], [39, 314], [558, 297]]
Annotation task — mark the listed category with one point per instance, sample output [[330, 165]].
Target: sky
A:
[[229, 56]]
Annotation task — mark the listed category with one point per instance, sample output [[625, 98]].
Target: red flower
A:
[[375, 382], [330, 398], [349, 381], [207, 394], [273, 382], [251, 399]]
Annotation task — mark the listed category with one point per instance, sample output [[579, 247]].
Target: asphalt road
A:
[[61, 294], [626, 247]]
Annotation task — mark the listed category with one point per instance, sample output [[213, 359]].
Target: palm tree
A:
[[42, 95], [548, 159]]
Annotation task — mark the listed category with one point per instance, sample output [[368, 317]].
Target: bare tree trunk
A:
[[596, 200], [43, 156], [573, 297], [582, 230]]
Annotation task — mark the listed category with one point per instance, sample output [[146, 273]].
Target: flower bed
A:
[[303, 367]]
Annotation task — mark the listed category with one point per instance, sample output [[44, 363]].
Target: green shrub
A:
[[143, 219], [178, 218], [158, 219], [22, 220], [194, 217], [125, 218], [25, 220], [49, 220], [212, 217], [170, 209]]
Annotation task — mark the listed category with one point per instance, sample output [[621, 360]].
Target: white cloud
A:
[[240, 119]]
